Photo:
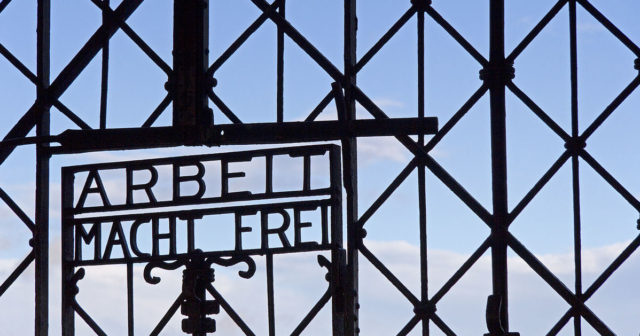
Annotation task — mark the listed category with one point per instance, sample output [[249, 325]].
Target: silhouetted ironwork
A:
[[191, 86]]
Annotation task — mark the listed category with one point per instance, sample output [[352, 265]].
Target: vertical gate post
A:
[[496, 75], [350, 176], [41, 235], [67, 313], [189, 83]]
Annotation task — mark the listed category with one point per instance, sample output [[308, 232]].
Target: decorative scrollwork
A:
[[170, 266], [226, 262], [324, 262], [197, 256], [73, 288]]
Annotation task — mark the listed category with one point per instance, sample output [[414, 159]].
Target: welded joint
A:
[[638, 224], [211, 82], [109, 16], [422, 159], [636, 64], [169, 85], [425, 310], [577, 303], [45, 99], [575, 145], [201, 134], [361, 234], [498, 74], [421, 5], [499, 233]]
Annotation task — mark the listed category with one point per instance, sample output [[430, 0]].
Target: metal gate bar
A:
[[497, 76]]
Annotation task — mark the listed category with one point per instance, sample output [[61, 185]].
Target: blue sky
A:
[[247, 85]]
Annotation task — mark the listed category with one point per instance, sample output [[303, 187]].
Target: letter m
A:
[[93, 235]]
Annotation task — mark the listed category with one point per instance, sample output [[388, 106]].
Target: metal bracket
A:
[[494, 323]]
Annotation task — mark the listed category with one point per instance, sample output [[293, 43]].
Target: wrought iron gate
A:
[[191, 87]]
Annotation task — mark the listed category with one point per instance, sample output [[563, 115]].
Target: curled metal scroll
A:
[[73, 283], [198, 255], [324, 262], [226, 262], [154, 280]]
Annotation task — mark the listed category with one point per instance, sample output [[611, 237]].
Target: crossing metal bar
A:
[[66, 77], [190, 89]]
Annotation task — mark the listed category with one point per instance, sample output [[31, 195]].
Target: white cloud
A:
[[300, 282], [593, 260], [381, 148], [4, 244], [373, 149]]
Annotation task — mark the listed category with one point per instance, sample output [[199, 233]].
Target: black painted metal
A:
[[191, 85], [77, 141], [188, 83], [496, 75], [198, 275], [41, 232]]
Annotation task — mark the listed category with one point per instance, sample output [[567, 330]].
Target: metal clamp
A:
[[575, 145], [498, 73]]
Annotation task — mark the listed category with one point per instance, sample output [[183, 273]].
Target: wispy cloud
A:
[[300, 282], [381, 148]]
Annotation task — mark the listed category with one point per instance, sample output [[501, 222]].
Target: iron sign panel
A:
[[171, 212]]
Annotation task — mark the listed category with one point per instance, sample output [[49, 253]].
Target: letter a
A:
[[98, 189]]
